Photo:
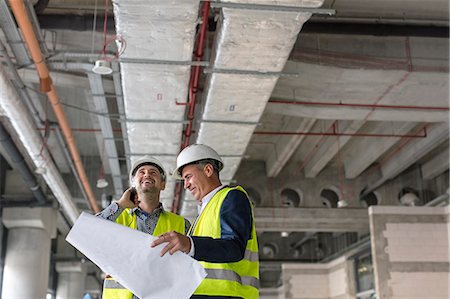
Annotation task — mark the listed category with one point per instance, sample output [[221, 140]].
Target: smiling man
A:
[[223, 238], [139, 208]]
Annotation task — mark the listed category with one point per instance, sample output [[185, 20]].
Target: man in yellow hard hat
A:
[[223, 237], [139, 208]]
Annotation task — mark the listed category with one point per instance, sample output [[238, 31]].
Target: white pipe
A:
[[12, 107]]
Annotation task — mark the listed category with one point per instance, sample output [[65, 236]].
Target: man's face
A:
[[196, 181], [148, 178]]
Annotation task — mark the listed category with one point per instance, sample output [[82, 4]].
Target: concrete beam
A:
[[330, 147], [412, 152], [338, 85], [356, 113], [365, 151], [311, 219], [436, 165], [286, 146]]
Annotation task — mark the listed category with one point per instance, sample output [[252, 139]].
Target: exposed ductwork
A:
[[164, 33], [234, 100], [12, 107], [251, 48], [21, 16]]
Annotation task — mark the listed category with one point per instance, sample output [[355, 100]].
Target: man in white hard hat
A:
[[142, 211], [223, 237]]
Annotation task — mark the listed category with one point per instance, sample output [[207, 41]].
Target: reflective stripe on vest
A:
[[233, 276], [251, 256], [240, 278], [112, 284], [167, 222]]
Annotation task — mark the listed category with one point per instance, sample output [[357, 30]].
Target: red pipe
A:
[[424, 135], [195, 74], [193, 89], [374, 106]]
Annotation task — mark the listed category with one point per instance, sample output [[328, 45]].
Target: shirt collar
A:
[[138, 210], [207, 198]]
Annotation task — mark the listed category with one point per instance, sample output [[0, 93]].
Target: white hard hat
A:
[[194, 153], [147, 160]]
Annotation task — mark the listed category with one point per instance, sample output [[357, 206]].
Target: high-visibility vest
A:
[[167, 222], [240, 279]]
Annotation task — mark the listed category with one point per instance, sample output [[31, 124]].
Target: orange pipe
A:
[[20, 13]]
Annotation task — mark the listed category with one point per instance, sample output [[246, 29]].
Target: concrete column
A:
[[410, 251], [71, 280], [320, 281], [27, 258]]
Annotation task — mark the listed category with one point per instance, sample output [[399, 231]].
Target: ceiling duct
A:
[[162, 32], [47, 86], [12, 107], [251, 48], [248, 41]]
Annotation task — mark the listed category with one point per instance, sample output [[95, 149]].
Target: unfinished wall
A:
[[271, 293], [410, 250], [329, 280]]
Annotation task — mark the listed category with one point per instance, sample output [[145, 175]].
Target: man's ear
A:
[[163, 185], [209, 170]]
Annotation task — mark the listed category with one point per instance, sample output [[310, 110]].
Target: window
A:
[[365, 283]]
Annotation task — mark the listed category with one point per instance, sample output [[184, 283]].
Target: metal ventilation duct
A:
[[161, 31], [12, 107], [251, 47], [248, 41]]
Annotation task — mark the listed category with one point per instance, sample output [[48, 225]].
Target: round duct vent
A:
[[289, 198], [270, 250]]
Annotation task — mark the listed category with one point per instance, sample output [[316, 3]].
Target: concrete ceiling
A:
[[351, 102]]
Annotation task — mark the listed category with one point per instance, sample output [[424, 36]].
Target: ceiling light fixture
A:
[[102, 183], [102, 67], [103, 64]]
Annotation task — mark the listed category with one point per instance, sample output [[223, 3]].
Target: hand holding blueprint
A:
[[125, 254]]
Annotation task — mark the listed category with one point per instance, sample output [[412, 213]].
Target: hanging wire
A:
[[94, 27], [105, 22], [121, 43]]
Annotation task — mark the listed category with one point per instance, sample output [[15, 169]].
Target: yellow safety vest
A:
[[167, 222], [240, 279]]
